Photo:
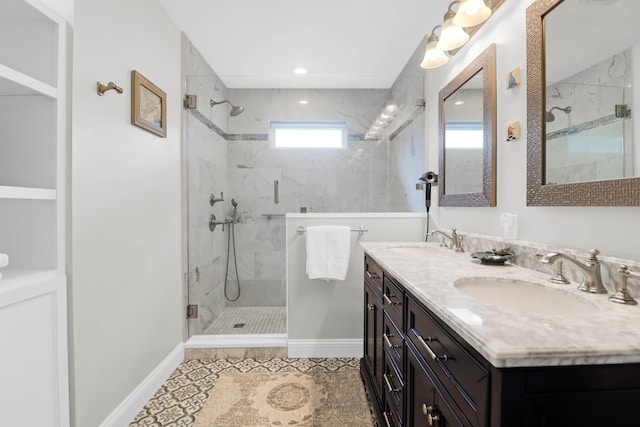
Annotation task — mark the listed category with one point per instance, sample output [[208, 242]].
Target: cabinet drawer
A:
[[373, 274], [393, 342], [392, 417], [393, 301], [459, 372], [393, 384]]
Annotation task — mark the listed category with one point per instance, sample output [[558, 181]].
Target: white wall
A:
[[63, 8], [612, 230], [326, 319], [126, 300]]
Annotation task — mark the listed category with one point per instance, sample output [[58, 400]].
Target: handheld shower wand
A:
[[235, 209]]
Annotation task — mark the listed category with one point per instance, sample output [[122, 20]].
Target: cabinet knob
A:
[[432, 415], [371, 307], [434, 420]]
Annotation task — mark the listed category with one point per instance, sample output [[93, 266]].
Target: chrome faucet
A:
[[591, 277], [454, 239]]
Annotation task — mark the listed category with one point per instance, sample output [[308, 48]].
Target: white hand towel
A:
[[328, 248], [4, 261]]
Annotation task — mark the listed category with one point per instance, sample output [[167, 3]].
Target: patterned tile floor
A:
[[256, 320], [177, 402]]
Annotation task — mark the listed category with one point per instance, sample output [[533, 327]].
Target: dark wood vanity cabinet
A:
[[566, 396], [419, 372], [416, 388], [373, 316]]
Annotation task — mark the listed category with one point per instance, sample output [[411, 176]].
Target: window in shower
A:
[[304, 134]]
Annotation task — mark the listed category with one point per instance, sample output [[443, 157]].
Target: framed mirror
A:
[[467, 135], [582, 60]]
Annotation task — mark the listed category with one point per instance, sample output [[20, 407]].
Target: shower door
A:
[[236, 271], [206, 176]]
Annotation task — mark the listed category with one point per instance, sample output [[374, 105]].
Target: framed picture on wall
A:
[[148, 105]]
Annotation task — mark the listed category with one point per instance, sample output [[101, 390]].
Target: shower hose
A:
[[231, 236]]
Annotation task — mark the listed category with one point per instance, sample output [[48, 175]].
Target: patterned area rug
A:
[[287, 399]]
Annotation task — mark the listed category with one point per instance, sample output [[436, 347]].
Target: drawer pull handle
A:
[[389, 386], [426, 346], [388, 341], [386, 420], [372, 275], [386, 298]]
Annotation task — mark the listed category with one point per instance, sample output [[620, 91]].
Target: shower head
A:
[[234, 203], [549, 117], [236, 110]]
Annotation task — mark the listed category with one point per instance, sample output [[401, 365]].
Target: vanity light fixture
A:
[[452, 31], [451, 36], [433, 57], [471, 13]]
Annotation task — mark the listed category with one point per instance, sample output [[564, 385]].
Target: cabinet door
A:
[[426, 405], [461, 375], [373, 337]]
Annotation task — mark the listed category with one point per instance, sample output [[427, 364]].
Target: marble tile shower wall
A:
[[592, 95], [365, 177], [369, 176]]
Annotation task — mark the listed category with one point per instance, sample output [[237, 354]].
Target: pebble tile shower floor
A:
[[177, 402], [254, 320]]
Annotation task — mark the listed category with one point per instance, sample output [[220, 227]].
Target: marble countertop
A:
[[510, 337]]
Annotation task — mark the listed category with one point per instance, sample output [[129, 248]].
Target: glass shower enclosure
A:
[[235, 259]]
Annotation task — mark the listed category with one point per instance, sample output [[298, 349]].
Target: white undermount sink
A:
[[529, 297]]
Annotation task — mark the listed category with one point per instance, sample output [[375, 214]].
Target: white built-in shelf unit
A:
[[32, 139]]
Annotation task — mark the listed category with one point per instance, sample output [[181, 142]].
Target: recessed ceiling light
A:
[[458, 103], [300, 70], [303, 101]]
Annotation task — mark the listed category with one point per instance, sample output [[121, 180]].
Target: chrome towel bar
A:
[[361, 230], [272, 215]]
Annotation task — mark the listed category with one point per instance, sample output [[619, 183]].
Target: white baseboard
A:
[[132, 404], [326, 348], [237, 341]]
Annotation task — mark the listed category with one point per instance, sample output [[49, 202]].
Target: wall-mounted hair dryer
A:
[[428, 178]]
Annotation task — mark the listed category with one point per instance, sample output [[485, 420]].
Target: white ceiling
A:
[[343, 43]]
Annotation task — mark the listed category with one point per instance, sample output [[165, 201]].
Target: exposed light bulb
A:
[[451, 36], [392, 109], [433, 57], [471, 13]]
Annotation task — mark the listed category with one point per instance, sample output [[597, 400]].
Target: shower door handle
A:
[[276, 192]]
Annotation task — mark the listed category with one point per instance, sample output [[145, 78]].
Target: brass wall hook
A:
[[111, 85]]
